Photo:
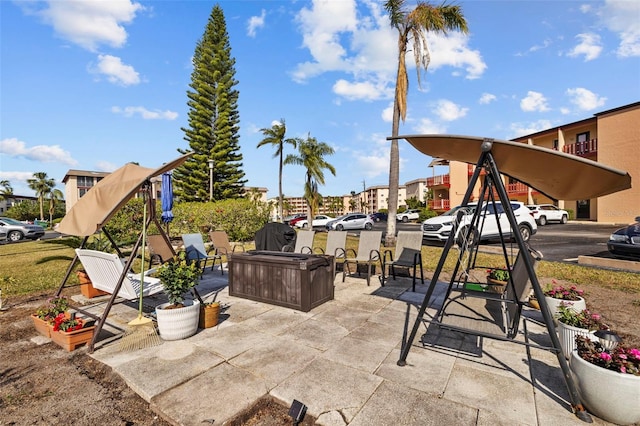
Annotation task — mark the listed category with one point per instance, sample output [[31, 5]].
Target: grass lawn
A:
[[36, 266]]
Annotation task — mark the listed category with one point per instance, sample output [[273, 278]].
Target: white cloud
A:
[[621, 17], [486, 98], [13, 176], [130, 111], [364, 90], [115, 71], [90, 23], [387, 113], [105, 166], [255, 22], [364, 45], [521, 129], [448, 111], [41, 153], [590, 46], [429, 127], [534, 101], [374, 161], [585, 99], [545, 43]]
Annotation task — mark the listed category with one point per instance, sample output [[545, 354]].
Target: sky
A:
[[93, 85]]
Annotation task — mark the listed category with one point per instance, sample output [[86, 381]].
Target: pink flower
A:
[[623, 369], [605, 356], [595, 317]]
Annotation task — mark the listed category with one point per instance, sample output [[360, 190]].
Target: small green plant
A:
[[498, 274], [178, 277]]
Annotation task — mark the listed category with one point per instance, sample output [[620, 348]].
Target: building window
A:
[[555, 144], [582, 143], [84, 184]]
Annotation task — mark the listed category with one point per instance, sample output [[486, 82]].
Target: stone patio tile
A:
[[393, 404], [154, 375], [426, 370], [326, 386], [356, 353], [317, 333], [509, 398], [276, 360], [217, 395], [276, 321]]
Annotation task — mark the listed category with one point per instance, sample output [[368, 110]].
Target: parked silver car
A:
[[351, 221], [17, 230]]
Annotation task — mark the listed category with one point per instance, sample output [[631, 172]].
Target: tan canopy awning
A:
[[558, 175], [104, 199]]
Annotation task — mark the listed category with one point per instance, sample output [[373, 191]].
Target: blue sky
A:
[[93, 85]]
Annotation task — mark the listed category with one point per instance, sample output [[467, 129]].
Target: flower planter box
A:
[[496, 286], [42, 326], [209, 315], [553, 306], [72, 339], [567, 336], [293, 280], [178, 323], [86, 288]]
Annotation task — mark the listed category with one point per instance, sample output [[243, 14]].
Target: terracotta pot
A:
[[86, 288], [42, 326], [209, 315], [72, 339], [612, 396]]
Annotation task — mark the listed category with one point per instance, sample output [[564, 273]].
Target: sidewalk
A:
[[339, 360]]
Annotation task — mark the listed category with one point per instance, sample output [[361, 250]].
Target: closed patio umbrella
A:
[[166, 198]]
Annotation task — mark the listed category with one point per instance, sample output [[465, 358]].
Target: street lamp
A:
[[210, 180]]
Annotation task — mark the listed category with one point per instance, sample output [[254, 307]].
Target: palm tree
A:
[[42, 185], [311, 157], [412, 25], [6, 192], [55, 195], [275, 136]]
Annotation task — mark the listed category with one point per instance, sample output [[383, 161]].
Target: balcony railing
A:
[[582, 149], [439, 204], [437, 181], [517, 188]]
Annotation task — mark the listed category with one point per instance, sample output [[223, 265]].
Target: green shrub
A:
[[426, 213]]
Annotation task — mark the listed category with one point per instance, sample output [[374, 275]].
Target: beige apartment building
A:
[[610, 137]]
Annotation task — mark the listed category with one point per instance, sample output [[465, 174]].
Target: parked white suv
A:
[[407, 215], [545, 213], [439, 228]]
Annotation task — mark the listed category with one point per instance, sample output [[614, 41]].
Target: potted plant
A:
[[497, 278], [608, 380], [45, 314], [178, 319], [572, 324], [571, 296], [71, 332]]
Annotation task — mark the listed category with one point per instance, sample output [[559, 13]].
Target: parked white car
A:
[[407, 215], [439, 228], [319, 221], [545, 213]]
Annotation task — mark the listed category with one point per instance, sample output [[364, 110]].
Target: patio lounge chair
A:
[[105, 270], [304, 242], [194, 247], [222, 246], [368, 252], [160, 250], [408, 255], [336, 243]]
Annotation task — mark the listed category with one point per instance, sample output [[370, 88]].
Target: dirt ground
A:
[[42, 384]]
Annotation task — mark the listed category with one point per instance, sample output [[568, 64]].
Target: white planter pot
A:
[[554, 306], [612, 396], [180, 323], [567, 336]]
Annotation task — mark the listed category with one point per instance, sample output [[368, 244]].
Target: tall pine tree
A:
[[213, 120]]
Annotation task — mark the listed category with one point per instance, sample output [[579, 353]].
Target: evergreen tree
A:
[[213, 120]]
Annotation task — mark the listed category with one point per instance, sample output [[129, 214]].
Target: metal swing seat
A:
[[467, 306]]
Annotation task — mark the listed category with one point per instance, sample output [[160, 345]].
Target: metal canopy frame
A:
[[493, 184]]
